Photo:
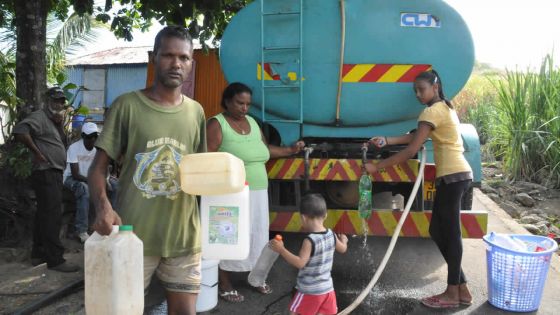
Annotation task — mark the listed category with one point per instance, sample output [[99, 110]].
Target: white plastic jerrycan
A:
[[226, 225], [114, 273], [212, 173]]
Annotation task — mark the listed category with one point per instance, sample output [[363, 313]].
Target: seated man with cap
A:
[[79, 157]]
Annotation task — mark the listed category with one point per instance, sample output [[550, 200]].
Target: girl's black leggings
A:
[[445, 227]]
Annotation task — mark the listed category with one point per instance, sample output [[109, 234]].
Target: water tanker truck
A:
[[335, 73]]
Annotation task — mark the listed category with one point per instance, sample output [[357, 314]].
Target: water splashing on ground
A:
[[385, 300]]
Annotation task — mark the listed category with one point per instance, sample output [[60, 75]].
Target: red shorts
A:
[[307, 304]]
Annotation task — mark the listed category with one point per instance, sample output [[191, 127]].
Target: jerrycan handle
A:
[[114, 231]]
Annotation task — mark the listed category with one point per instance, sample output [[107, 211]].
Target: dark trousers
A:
[[48, 218], [445, 227]]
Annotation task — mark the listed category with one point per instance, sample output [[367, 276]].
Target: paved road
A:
[[415, 270]]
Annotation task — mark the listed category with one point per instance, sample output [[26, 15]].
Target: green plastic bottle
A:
[[364, 190]]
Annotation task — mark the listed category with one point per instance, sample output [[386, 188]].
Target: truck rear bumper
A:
[[381, 223]]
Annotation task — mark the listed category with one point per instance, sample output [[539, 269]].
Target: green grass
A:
[[517, 116]]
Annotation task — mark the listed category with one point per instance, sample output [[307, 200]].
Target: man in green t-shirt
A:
[[150, 131]]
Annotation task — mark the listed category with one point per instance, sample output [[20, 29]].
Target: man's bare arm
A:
[[28, 142], [106, 216], [75, 170]]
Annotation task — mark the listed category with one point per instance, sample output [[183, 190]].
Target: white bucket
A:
[[208, 296]]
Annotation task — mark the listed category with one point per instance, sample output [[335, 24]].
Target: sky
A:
[[512, 34]]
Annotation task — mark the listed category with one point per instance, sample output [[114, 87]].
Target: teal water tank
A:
[[387, 43]]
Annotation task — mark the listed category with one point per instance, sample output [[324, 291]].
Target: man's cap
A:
[[56, 93], [89, 128]]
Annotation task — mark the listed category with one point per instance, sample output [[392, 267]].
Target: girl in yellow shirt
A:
[[439, 122]]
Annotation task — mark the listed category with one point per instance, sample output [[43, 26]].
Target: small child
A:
[[315, 291]]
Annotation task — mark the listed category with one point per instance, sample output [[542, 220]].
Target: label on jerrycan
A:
[[223, 225], [226, 226]]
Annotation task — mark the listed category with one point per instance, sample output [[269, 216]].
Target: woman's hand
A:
[[298, 146], [378, 141], [284, 151], [371, 168]]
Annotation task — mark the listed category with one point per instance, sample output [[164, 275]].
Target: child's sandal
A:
[[264, 289]]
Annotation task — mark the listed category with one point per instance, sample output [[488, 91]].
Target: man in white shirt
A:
[[79, 157]]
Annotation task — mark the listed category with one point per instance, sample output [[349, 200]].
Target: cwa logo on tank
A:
[[419, 20]]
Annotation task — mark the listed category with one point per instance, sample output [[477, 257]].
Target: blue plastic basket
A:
[[516, 279]]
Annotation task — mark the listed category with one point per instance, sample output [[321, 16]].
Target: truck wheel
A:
[[466, 202]]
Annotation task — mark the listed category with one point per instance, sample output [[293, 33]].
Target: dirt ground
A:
[[21, 283], [547, 199]]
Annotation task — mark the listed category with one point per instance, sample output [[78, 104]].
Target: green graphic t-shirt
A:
[[151, 141]]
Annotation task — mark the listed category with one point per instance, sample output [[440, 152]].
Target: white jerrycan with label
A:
[[226, 226], [114, 273]]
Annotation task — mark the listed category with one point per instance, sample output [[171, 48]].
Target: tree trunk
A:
[[31, 75]]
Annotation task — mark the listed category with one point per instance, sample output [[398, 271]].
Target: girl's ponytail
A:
[[437, 80]]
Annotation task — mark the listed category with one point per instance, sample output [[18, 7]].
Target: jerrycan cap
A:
[[125, 228]]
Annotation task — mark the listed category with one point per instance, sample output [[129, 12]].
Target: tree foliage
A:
[[7, 92], [205, 19], [64, 36]]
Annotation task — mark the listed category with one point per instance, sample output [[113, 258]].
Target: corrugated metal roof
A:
[[119, 55], [116, 56]]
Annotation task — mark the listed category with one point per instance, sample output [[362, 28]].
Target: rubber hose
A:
[[341, 62], [49, 298]]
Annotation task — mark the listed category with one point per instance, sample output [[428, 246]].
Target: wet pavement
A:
[[416, 269]]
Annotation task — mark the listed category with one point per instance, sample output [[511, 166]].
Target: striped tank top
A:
[[315, 278]]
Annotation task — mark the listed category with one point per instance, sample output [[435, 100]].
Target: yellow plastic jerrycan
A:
[[212, 173]]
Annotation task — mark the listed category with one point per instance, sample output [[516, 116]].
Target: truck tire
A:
[[466, 201]]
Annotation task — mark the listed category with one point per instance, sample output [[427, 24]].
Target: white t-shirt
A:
[[77, 153]]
